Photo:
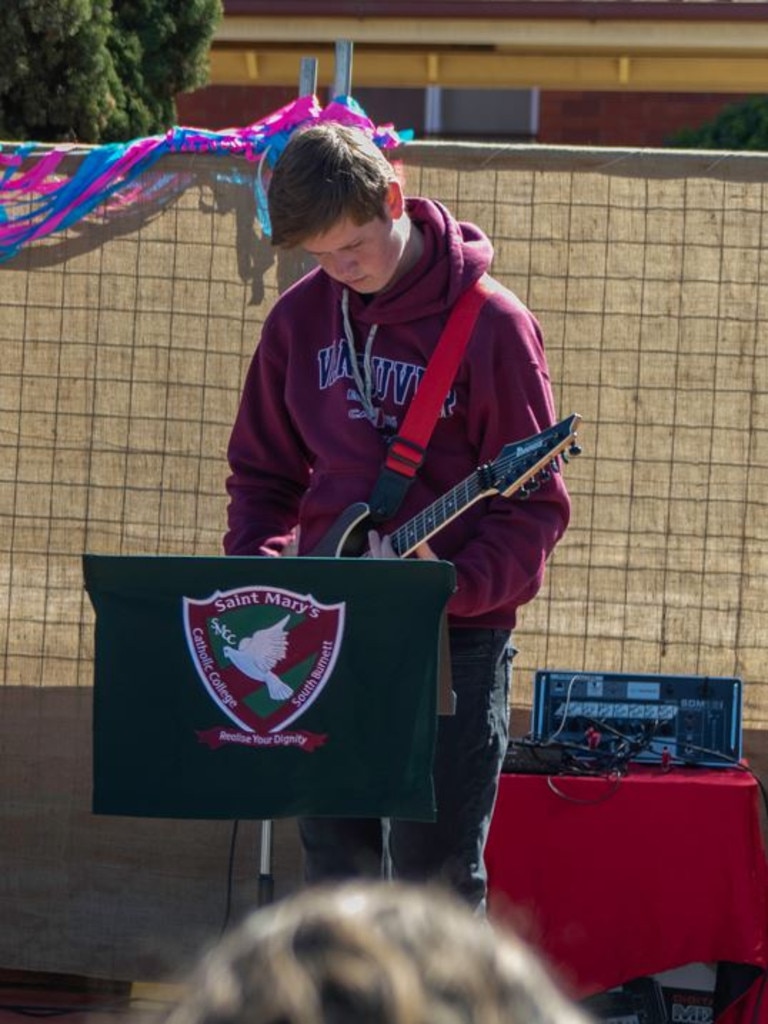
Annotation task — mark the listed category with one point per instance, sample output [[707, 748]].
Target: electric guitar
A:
[[518, 469]]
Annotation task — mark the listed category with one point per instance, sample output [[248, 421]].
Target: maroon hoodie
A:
[[303, 448]]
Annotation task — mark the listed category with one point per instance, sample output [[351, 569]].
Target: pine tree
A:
[[99, 70], [740, 126]]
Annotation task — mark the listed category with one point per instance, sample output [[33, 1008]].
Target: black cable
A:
[[56, 1011], [576, 759], [582, 759], [60, 1011], [731, 762], [614, 778], [230, 877], [756, 1009]]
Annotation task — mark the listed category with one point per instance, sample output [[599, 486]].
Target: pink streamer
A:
[[61, 200]]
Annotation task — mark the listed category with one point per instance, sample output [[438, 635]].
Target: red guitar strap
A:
[[407, 449]]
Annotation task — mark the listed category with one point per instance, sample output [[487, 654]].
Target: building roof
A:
[[632, 45], [446, 9]]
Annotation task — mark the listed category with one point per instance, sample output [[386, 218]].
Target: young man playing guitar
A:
[[339, 360]]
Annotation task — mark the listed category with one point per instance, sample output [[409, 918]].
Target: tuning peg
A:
[[574, 449], [523, 492], [534, 484]]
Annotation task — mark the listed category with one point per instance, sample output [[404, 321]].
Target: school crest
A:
[[264, 655]]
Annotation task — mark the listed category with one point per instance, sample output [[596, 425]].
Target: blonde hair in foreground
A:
[[371, 953]]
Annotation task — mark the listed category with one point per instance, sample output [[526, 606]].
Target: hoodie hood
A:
[[456, 254]]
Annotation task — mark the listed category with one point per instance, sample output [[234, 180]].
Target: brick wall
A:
[[565, 118], [623, 119], [230, 106]]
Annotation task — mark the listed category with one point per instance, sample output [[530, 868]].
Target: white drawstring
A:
[[365, 381]]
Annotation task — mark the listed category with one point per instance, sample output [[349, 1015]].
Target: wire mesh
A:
[[124, 356], [123, 348]]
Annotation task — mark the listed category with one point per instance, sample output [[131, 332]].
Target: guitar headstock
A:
[[522, 466]]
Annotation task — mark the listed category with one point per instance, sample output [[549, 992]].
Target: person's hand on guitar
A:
[[381, 547], [291, 549]]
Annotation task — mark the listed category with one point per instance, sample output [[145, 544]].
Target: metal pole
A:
[[266, 890], [308, 76], [342, 83]]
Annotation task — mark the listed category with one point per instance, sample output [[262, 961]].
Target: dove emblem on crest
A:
[[257, 655]]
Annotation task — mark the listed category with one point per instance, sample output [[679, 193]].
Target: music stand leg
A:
[[266, 889]]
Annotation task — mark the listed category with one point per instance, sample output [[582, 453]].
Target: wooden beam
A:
[[547, 35], [416, 67]]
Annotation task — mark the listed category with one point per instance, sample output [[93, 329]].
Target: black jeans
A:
[[470, 749]]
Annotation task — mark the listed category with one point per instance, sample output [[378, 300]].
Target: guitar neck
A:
[[518, 468], [430, 520]]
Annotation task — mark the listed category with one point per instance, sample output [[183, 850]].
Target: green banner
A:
[[265, 687]]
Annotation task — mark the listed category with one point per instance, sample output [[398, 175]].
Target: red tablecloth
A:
[[619, 880]]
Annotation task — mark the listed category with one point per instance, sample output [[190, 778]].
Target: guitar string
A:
[[408, 534], [420, 525]]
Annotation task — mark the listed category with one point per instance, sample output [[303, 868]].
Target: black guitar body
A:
[[348, 537]]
